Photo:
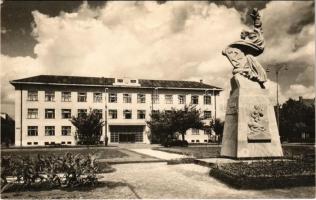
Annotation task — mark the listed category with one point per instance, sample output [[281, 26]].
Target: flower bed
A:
[[68, 171], [266, 174]]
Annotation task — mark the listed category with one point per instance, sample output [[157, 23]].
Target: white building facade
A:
[[45, 104]]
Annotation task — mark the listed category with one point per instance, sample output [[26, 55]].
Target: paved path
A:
[[162, 181], [159, 154]]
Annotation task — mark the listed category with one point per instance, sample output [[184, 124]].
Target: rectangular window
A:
[[32, 113], [195, 99], [35, 143], [127, 98], [207, 99], [66, 96], [141, 98], [133, 81], [32, 95], [154, 112], [97, 97], [49, 113], [98, 112], [168, 99], [112, 98], [49, 130], [113, 114], [82, 112], [127, 114], [32, 131], [207, 114], [181, 99], [66, 130], [49, 96], [82, 96], [141, 114], [155, 98], [195, 131], [120, 80], [65, 113]]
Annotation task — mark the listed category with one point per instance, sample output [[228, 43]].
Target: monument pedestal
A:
[[250, 129]]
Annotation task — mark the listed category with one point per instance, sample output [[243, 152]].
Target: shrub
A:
[[266, 174], [63, 171], [181, 143]]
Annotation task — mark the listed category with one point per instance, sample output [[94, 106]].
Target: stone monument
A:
[[250, 129]]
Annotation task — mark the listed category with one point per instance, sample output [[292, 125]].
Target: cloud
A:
[[173, 40], [11, 68], [297, 90], [289, 31]]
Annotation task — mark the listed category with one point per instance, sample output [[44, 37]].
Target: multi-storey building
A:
[[44, 105]]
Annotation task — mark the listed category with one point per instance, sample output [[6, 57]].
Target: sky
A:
[[178, 40]]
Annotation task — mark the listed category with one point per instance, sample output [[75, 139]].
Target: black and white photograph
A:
[[157, 99]]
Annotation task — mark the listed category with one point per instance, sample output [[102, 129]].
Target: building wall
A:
[[74, 105], [196, 136]]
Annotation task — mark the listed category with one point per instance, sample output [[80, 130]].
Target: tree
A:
[[185, 119], [89, 127], [160, 126], [296, 118], [164, 124], [217, 126]]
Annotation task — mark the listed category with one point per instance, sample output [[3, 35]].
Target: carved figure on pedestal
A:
[[255, 125], [241, 54]]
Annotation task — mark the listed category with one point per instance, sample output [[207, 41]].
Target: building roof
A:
[[101, 81]]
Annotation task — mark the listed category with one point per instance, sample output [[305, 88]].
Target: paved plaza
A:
[[162, 181]]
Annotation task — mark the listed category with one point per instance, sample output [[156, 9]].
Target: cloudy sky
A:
[[153, 40]]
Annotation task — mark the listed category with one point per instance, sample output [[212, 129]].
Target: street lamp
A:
[[105, 112], [278, 68]]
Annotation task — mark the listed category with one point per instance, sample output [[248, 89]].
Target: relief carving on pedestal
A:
[[258, 124]]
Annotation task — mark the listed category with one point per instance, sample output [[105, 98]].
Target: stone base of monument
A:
[[250, 129]]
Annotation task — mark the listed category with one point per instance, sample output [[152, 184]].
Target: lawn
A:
[[211, 151], [101, 153]]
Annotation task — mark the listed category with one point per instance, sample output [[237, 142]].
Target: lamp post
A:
[[105, 113], [277, 71]]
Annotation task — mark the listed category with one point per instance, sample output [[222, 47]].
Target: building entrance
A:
[[126, 134], [127, 138]]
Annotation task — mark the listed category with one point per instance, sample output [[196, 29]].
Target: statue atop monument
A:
[[250, 129], [241, 54]]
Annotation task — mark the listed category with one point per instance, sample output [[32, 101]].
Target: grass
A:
[[102, 153], [214, 151]]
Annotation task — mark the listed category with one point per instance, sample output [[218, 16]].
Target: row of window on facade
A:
[[49, 143], [49, 130], [127, 98], [32, 113]]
